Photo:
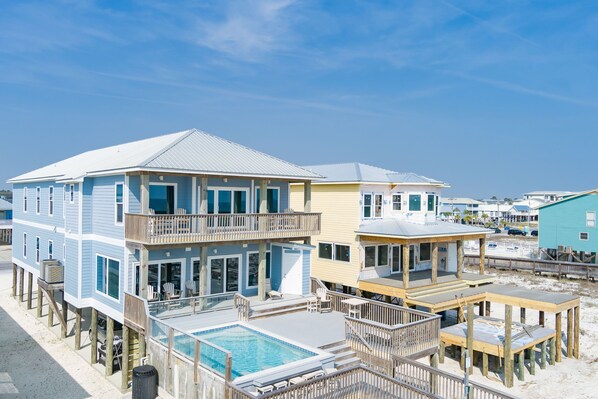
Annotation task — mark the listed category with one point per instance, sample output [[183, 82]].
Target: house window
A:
[[424, 252], [38, 200], [119, 203], [162, 198], [72, 193], [25, 245], [272, 200], [378, 205], [51, 201], [590, 218], [376, 255], [325, 250], [396, 202], [415, 202], [584, 236], [367, 206], [108, 276], [227, 201], [37, 254], [342, 253], [25, 199], [396, 258], [430, 202], [50, 249], [253, 264]]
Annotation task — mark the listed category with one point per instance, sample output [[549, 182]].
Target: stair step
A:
[[437, 290], [445, 284], [332, 345], [339, 348], [347, 363], [345, 355], [276, 312]]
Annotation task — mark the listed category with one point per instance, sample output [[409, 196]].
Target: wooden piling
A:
[[541, 320], [124, 383], [50, 311], [14, 280], [94, 336], [521, 364], [532, 360], [65, 315], [576, 332], [484, 364], [433, 376], [109, 345], [487, 313], [570, 338], [29, 289], [441, 352], [77, 329], [470, 316], [508, 355], [40, 302], [553, 351], [543, 355], [460, 315], [21, 284], [559, 339]]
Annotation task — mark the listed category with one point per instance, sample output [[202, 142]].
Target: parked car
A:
[[507, 228], [496, 229], [517, 232], [534, 233]]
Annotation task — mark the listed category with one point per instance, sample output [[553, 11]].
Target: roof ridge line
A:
[[168, 147]]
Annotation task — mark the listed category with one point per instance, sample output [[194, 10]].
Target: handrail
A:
[[243, 304], [358, 334]]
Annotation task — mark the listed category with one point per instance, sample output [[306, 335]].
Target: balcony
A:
[[193, 229]]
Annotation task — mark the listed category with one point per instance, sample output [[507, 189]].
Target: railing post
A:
[[196, 355], [170, 346], [228, 376]]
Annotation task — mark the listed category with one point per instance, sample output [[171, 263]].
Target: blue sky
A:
[[495, 98]]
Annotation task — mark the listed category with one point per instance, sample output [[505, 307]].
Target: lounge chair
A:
[[272, 294], [192, 287], [324, 304], [170, 292]]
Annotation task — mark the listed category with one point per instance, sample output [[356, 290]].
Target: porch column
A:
[[434, 263], [459, 259], [482, 254], [143, 271], [576, 332], [203, 270], [307, 203], [14, 280], [263, 208], [261, 273], [508, 354], [405, 266], [144, 193]]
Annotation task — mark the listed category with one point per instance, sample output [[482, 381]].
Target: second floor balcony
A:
[[210, 228]]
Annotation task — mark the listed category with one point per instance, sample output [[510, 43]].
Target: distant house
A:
[[459, 205], [5, 210], [547, 196], [567, 228]]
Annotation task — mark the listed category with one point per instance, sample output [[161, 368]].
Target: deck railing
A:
[[191, 305], [135, 312], [243, 306], [560, 268], [187, 229], [441, 383], [352, 383]]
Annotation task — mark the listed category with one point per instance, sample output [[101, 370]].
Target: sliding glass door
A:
[[162, 273], [224, 274]]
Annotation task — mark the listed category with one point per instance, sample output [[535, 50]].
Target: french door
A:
[[224, 274]]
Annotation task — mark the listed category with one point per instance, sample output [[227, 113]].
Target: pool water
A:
[[252, 350]]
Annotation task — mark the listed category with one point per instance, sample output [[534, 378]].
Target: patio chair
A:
[[324, 304], [170, 292], [151, 294], [182, 225], [192, 287], [312, 304], [272, 294]]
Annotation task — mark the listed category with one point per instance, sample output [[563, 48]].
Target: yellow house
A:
[[380, 233]]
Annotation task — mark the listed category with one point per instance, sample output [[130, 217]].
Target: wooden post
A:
[[559, 338], [433, 376], [553, 351], [40, 302], [508, 355], [14, 280], [405, 266], [570, 338], [441, 352], [94, 336], [307, 202], [261, 274], [522, 315], [434, 263], [487, 308], [77, 329], [144, 193], [521, 363], [541, 318], [460, 258], [141, 346], [462, 357], [543, 355], [65, 314], [50, 311], [482, 254], [576, 332], [484, 364], [470, 332], [124, 370], [29, 289], [143, 271], [21, 284], [109, 345], [532, 360], [460, 315], [203, 271]]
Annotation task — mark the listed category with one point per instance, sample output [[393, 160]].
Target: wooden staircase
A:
[[344, 356], [440, 288]]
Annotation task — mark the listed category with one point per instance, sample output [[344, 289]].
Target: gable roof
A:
[[191, 151], [355, 172], [5, 205], [583, 194]]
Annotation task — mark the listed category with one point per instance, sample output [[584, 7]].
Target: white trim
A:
[[161, 183], [95, 277], [232, 189], [194, 195], [25, 266], [421, 205], [71, 300], [224, 278], [116, 222], [51, 192], [159, 262], [318, 250], [80, 243], [388, 263], [103, 308], [247, 286], [64, 202], [40, 226], [257, 206], [38, 200], [587, 236]]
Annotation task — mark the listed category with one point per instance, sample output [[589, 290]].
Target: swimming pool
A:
[[252, 351]]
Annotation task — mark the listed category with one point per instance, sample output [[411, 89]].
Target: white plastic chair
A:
[[151, 294], [192, 287], [324, 304], [170, 292]]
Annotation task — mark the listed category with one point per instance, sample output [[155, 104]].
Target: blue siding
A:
[[72, 211], [561, 223], [103, 221], [134, 194], [276, 274], [90, 267], [306, 271], [88, 209], [71, 268]]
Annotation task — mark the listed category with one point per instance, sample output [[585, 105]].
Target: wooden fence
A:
[[441, 383], [135, 312], [586, 270], [186, 229]]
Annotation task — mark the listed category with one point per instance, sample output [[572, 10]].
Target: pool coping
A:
[[319, 355]]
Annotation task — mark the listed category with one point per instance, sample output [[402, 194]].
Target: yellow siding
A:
[[339, 205]]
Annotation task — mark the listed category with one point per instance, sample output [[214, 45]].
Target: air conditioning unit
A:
[[52, 271]]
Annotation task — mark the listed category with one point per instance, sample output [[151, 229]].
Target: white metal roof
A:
[[5, 205], [400, 228], [358, 172], [465, 201], [190, 151], [583, 194]]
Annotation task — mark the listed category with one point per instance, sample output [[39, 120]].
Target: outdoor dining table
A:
[[354, 305]]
